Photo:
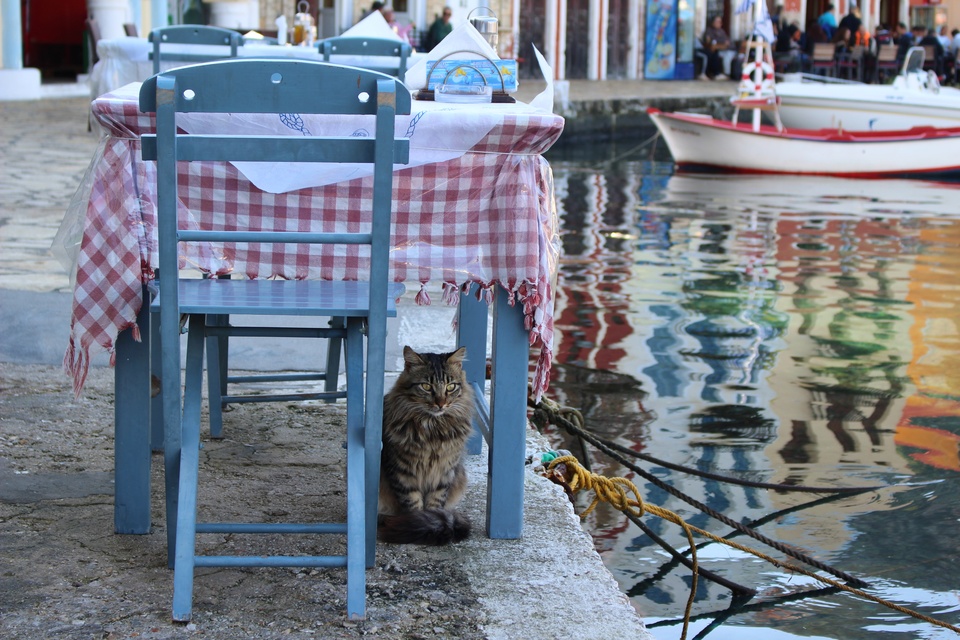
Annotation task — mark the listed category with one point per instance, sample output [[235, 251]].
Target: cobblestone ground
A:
[[44, 150]]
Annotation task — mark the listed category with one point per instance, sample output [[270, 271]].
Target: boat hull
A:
[[703, 143], [805, 105]]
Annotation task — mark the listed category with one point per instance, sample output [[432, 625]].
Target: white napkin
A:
[[544, 99], [373, 26], [465, 39]]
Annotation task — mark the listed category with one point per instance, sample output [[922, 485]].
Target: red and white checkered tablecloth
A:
[[487, 217]]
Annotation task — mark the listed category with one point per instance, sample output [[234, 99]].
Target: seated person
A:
[[841, 38], [907, 40], [789, 49], [715, 42], [930, 39], [851, 22], [828, 21]]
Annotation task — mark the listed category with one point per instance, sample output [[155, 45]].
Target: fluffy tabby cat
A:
[[427, 418]]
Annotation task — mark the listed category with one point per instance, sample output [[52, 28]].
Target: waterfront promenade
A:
[[67, 575]]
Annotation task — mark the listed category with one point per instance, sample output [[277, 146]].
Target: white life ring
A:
[[746, 76]]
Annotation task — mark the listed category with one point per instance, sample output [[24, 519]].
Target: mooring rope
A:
[[618, 491], [553, 409], [555, 413], [624, 495], [615, 491]]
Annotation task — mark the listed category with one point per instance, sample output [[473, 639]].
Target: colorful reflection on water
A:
[[803, 331]]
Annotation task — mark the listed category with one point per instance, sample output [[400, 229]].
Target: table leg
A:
[[508, 419], [472, 334], [131, 506]]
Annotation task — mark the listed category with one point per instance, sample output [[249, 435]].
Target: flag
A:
[[764, 27]]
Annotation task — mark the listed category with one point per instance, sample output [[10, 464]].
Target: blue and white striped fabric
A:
[[763, 28]]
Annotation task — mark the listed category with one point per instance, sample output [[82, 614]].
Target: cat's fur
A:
[[427, 419]]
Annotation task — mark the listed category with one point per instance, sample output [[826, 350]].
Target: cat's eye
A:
[[452, 386], [425, 386]]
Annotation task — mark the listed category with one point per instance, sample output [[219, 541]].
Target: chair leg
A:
[[373, 426], [217, 347], [356, 476], [189, 471]]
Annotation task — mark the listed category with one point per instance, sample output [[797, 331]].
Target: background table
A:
[[483, 219], [126, 60]]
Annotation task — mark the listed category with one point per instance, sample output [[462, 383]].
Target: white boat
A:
[[914, 99], [699, 142]]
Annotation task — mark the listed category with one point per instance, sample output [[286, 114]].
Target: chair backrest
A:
[[379, 48], [887, 55], [93, 37], [221, 43], [280, 88], [824, 51], [130, 29]]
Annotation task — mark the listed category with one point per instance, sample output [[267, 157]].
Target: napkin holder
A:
[[500, 95]]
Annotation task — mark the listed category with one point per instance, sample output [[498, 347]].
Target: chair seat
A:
[[280, 297]]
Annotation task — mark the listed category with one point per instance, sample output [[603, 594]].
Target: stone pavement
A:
[[64, 572]]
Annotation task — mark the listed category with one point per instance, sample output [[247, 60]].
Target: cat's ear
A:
[[457, 356], [411, 357]]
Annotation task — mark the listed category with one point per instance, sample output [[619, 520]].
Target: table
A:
[[481, 218], [126, 60]]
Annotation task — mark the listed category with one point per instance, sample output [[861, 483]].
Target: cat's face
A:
[[434, 380]]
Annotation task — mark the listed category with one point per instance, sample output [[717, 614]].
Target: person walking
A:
[[439, 30]]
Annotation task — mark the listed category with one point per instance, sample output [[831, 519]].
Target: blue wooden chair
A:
[[272, 87], [226, 42], [381, 48]]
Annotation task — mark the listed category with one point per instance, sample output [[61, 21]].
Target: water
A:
[[803, 331]]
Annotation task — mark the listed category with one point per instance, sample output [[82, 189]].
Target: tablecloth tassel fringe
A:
[[451, 294], [76, 362], [541, 375], [530, 298], [423, 298], [485, 292]]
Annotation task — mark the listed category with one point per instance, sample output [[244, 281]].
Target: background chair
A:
[[887, 63], [225, 40], [130, 29], [93, 37], [850, 64], [823, 59], [386, 56], [381, 48], [274, 86]]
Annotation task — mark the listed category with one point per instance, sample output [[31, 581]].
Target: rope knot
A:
[[614, 491]]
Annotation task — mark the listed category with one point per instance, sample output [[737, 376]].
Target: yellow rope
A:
[[618, 491], [615, 491]]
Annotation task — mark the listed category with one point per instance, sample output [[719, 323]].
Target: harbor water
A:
[[784, 330]]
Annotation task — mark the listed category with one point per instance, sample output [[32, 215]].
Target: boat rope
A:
[[633, 150], [624, 495], [554, 413]]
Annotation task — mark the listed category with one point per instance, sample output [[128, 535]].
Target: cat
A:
[[427, 419]]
